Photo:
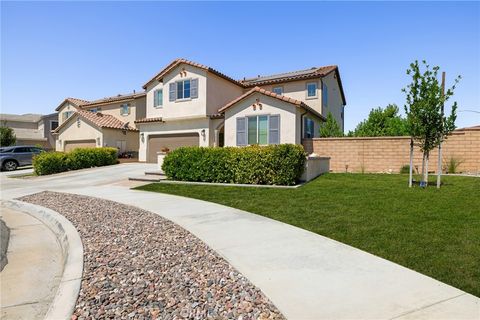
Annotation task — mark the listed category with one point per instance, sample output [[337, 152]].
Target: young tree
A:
[[330, 128], [426, 122], [7, 136], [382, 122]]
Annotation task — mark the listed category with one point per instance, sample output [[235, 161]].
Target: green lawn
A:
[[436, 232]]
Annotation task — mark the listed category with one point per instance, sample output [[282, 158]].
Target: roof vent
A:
[[119, 95]]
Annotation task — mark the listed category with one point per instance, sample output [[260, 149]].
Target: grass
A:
[[435, 232]]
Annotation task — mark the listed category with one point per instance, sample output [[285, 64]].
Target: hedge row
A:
[[55, 162], [276, 164]]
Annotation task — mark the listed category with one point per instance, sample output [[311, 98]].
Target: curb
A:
[[65, 299]]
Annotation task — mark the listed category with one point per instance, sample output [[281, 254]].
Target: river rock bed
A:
[[138, 265]]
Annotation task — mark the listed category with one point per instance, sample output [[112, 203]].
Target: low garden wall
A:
[[315, 166], [389, 154]]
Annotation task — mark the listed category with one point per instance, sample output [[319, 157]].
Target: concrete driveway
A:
[[306, 276]]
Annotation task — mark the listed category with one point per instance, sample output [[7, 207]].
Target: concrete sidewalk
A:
[[307, 276], [30, 279]]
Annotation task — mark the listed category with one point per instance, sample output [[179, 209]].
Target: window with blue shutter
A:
[[241, 132], [274, 129], [172, 92], [194, 88]]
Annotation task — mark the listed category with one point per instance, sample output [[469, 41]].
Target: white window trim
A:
[[268, 128], [281, 87], [316, 90], [161, 103], [176, 91]]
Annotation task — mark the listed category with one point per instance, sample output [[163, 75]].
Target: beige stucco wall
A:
[[111, 136], [176, 109], [289, 117], [67, 106], [173, 127], [298, 90], [72, 132], [137, 110], [220, 92], [335, 102]]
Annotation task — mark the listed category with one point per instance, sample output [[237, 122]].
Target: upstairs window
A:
[[53, 125], [311, 90], [278, 90], [158, 98], [125, 109], [95, 110], [183, 90], [66, 115]]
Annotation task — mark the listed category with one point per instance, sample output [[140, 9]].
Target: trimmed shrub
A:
[[55, 162], [49, 162], [276, 164]]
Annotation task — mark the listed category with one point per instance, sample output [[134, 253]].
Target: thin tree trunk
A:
[[423, 167], [426, 170], [410, 177]]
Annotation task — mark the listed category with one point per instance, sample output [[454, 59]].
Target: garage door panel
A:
[[73, 144], [174, 141]]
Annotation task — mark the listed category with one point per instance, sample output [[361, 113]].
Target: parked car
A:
[[17, 156]]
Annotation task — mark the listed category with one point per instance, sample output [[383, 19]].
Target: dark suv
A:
[[17, 156]]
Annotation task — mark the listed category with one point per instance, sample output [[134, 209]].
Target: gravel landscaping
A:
[[140, 265]]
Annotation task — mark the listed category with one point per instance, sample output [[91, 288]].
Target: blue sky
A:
[[91, 50]]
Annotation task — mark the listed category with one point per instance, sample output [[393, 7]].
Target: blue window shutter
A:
[[194, 88], [241, 132], [155, 98], [274, 129], [172, 92]]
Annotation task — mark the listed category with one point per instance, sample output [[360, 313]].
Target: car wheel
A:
[[10, 165]]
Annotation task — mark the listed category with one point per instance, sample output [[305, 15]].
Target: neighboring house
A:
[[107, 122], [32, 129], [189, 104]]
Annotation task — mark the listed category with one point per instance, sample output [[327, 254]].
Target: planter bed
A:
[[140, 265]]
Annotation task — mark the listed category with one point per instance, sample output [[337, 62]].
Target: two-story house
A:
[[107, 122], [32, 129], [189, 104]]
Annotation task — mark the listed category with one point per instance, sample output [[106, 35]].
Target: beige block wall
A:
[[389, 154]]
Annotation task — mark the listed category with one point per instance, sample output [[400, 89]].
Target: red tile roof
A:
[[100, 120], [117, 98], [295, 102], [177, 62], [74, 101], [147, 120]]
